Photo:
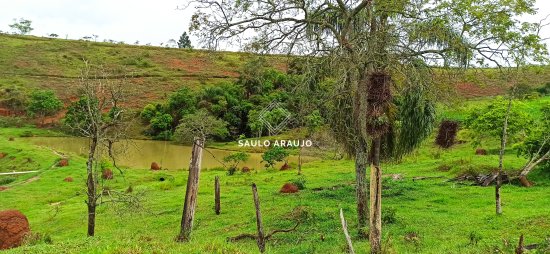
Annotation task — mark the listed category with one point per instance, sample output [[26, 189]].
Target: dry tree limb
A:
[[267, 237], [416, 178], [519, 249], [346, 233]]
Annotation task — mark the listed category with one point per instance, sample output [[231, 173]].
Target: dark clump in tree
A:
[[447, 133]]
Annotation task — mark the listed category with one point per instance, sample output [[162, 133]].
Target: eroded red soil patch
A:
[[470, 90]]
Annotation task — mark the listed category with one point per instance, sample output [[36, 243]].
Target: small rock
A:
[[63, 163], [14, 226], [155, 166], [289, 188]]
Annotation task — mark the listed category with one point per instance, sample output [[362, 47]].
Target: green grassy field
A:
[[433, 215]]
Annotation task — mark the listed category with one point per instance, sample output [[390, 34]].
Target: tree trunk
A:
[[217, 194], [498, 202], [361, 188], [261, 238], [376, 200], [191, 193], [524, 181], [90, 184], [531, 165]]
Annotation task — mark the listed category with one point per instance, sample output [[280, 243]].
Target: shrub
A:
[[300, 182], [389, 216], [273, 155], [447, 133], [235, 159], [544, 90], [26, 134], [474, 238], [7, 180], [44, 103]]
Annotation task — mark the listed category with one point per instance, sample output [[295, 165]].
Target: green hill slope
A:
[[153, 72]]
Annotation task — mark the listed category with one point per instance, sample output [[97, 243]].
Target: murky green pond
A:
[[141, 153]]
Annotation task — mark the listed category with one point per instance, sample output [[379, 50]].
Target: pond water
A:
[[141, 153]]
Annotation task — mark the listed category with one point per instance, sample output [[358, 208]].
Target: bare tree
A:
[[498, 184], [98, 116], [374, 46]]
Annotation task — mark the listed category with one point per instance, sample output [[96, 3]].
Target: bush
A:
[[26, 134], [389, 216], [544, 90], [300, 182], [273, 155], [44, 103], [7, 180], [474, 238], [6, 122]]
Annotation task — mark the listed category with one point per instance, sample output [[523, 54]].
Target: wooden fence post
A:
[[190, 202], [217, 194], [261, 239]]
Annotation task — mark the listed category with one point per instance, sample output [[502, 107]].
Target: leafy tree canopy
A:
[[488, 121], [44, 103], [184, 42], [23, 26]]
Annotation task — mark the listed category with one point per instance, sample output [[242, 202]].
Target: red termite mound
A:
[[289, 188], [63, 163], [155, 166], [107, 174], [13, 228], [285, 166], [481, 151]]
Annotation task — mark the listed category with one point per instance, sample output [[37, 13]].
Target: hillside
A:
[[154, 72], [35, 62]]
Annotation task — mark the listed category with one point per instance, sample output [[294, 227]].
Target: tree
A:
[[182, 102], [536, 147], [273, 155], [370, 46], [23, 26], [235, 159], [184, 42], [489, 121], [201, 125], [43, 103], [99, 117]]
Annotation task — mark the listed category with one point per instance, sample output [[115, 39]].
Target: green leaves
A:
[[273, 155], [44, 103], [489, 120]]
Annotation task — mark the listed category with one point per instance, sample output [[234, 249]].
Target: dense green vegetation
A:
[[432, 215]]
